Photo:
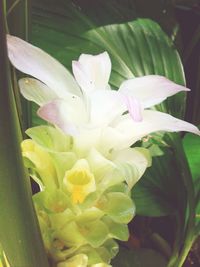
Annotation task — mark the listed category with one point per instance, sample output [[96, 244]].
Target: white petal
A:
[[134, 107], [105, 106], [150, 89], [85, 140], [106, 172], [36, 91], [114, 139], [35, 62], [92, 72], [132, 162], [67, 115], [153, 121]]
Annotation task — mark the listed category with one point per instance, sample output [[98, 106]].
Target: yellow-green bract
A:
[[84, 203]]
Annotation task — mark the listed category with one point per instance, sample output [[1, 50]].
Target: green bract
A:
[[84, 202]]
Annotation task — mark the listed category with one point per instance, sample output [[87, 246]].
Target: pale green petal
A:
[[42, 162], [101, 265], [92, 253], [56, 201], [36, 91], [79, 260], [118, 206], [106, 172], [132, 163], [89, 215], [99, 165], [63, 161], [50, 138], [58, 220], [70, 235], [58, 145], [109, 250], [94, 232], [116, 230]]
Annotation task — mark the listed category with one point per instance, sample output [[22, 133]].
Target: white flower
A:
[[86, 107]]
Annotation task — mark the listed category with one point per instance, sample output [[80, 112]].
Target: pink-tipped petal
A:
[[153, 121], [52, 114], [151, 89], [67, 115], [134, 107], [35, 62]]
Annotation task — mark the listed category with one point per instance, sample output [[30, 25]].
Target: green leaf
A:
[[19, 231], [191, 145], [139, 258], [156, 193], [18, 19]]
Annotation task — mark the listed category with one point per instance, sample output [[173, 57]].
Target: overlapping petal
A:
[[132, 163], [105, 106], [66, 114], [151, 89], [92, 72], [35, 62], [153, 121], [36, 91]]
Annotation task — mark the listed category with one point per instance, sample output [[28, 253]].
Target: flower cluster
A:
[[84, 163], [84, 201]]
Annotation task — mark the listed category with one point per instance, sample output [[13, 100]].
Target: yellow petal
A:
[[79, 181]]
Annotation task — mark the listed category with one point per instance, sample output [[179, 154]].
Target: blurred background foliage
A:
[[137, 46]]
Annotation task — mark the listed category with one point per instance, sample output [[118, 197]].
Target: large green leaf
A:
[[156, 193], [191, 145], [19, 231], [18, 20], [192, 149]]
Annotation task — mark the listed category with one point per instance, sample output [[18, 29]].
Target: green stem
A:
[[186, 249], [161, 244], [178, 237], [19, 230]]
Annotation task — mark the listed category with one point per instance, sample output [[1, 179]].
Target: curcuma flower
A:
[[85, 165], [86, 107]]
